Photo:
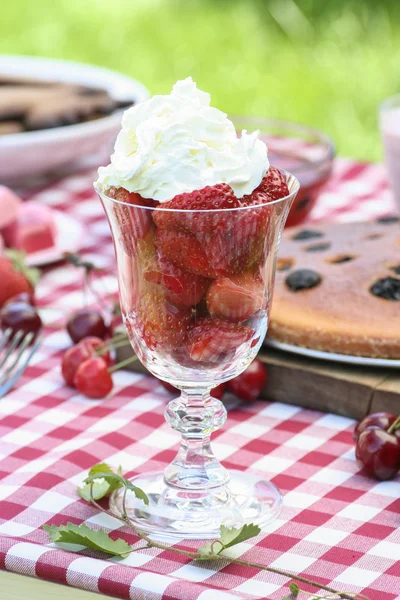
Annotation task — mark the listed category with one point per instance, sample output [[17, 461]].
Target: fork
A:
[[14, 357]]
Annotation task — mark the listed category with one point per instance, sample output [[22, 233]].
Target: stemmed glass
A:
[[195, 290]]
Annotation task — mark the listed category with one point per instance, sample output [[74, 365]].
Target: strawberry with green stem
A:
[[15, 276]]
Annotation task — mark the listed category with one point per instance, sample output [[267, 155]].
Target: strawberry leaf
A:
[[232, 536], [18, 258], [114, 478], [229, 537], [84, 536], [100, 487], [294, 589], [210, 549]]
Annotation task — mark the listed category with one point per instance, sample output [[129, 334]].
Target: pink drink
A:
[[390, 129]]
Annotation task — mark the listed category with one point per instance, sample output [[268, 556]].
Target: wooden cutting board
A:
[[347, 390]]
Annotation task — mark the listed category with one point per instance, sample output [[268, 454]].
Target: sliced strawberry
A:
[[236, 298], [180, 287], [133, 223], [245, 245], [273, 184], [185, 251], [161, 325], [211, 339], [210, 198], [122, 195]]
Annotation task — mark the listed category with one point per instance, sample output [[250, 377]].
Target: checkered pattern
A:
[[336, 526]]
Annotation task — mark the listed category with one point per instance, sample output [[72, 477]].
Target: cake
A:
[[337, 289], [33, 228], [35, 104]]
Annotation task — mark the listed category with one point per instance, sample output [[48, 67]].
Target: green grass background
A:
[[328, 63]]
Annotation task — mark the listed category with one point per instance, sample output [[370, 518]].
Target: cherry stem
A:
[[394, 425], [116, 338], [90, 285], [124, 518], [123, 363], [104, 348]]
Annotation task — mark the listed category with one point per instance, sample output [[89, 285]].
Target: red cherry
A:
[[383, 420], [92, 378], [19, 316], [74, 356], [378, 453], [249, 384], [25, 297], [92, 343], [86, 323], [71, 360], [218, 391]]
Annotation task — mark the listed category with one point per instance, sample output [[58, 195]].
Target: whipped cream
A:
[[179, 143]]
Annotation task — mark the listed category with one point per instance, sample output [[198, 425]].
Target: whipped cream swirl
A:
[[179, 143]]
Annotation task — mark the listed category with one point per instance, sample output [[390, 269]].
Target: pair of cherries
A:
[[377, 440]]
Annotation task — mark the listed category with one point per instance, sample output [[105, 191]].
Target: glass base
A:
[[198, 514]]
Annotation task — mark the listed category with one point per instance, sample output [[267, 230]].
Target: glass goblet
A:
[[195, 290]]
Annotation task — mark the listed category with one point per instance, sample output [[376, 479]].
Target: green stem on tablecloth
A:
[[237, 561]]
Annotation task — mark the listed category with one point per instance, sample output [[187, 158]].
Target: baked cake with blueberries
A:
[[338, 288]]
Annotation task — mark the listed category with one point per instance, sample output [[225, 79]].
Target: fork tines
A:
[[15, 355]]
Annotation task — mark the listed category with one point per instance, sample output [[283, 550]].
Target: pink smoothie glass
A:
[[389, 118]]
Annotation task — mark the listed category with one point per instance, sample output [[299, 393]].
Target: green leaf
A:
[[210, 549], [84, 536], [229, 537], [232, 536], [18, 259], [294, 589], [101, 487], [105, 468], [113, 478], [101, 468]]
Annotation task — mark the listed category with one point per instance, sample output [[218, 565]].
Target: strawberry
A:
[[251, 230], [133, 223], [273, 184], [122, 195], [185, 251], [15, 277], [243, 246], [180, 287], [236, 298], [211, 339], [210, 198], [161, 325]]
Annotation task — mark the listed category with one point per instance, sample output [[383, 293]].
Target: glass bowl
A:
[[195, 289], [307, 153]]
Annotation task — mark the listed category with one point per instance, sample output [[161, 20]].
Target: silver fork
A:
[[15, 355]]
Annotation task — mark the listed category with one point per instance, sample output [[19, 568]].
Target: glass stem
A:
[[195, 415]]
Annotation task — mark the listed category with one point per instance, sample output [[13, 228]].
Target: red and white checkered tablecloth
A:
[[336, 525]]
